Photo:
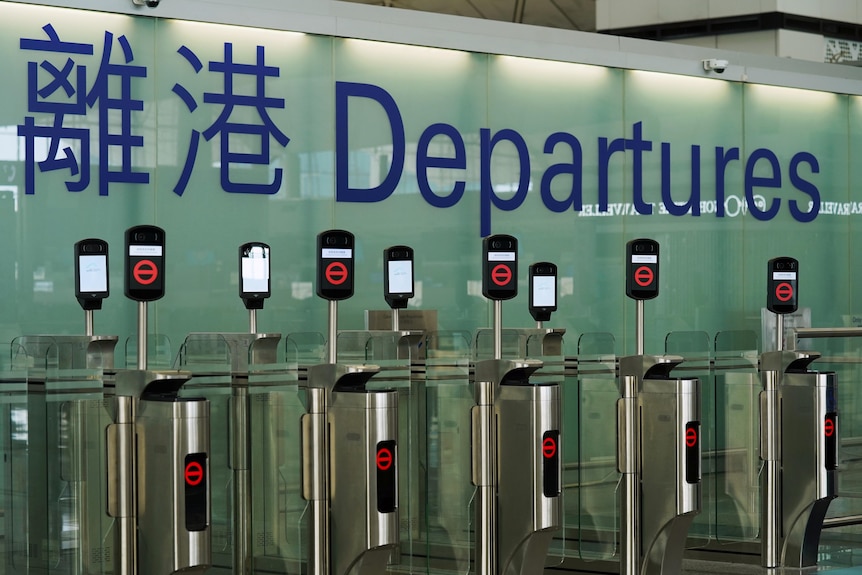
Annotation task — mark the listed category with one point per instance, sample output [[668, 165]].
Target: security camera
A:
[[150, 3], [715, 65]]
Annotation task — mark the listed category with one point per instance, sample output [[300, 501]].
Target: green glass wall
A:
[[567, 157]]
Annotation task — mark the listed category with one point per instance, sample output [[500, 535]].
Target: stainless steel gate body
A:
[[516, 467], [799, 445], [350, 475], [661, 492], [158, 475]]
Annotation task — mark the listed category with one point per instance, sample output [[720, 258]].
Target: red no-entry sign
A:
[[145, 272], [194, 473], [549, 447], [784, 291], [829, 427], [336, 273], [644, 276], [501, 274], [384, 459], [690, 437]]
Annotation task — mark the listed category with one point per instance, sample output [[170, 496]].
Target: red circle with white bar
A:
[[549, 447], [145, 272], [644, 276], [336, 273], [384, 459], [690, 437], [194, 473], [829, 427], [501, 274], [784, 291]]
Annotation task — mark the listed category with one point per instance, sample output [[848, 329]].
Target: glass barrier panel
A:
[[305, 348], [14, 479], [591, 477], [445, 461], [596, 344], [514, 344], [159, 352], [279, 523], [65, 415], [736, 458]]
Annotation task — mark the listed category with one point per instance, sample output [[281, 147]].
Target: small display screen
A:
[[400, 276], [255, 270], [336, 253], [501, 256], [93, 274], [544, 291], [145, 251]]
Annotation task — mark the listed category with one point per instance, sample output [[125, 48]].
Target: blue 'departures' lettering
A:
[[762, 170]]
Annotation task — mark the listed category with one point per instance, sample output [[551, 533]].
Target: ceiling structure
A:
[[568, 14]]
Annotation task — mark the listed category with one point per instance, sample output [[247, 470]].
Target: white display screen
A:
[[400, 276], [336, 253], [784, 275], [641, 259], [92, 274], [143, 251], [501, 256], [544, 291], [255, 270]]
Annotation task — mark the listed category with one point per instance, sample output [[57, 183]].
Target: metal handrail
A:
[[821, 333]]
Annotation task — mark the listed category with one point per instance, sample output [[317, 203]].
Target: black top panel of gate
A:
[[642, 269], [782, 281], [145, 263], [91, 273], [500, 267], [335, 264]]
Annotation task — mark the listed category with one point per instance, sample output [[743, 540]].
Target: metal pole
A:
[[771, 496], [240, 456], [88, 322], [124, 502], [629, 464], [142, 335], [315, 484], [540, 325], [78, 483], [252, 321], [332, 347], [639, 327], [498, 329], [779, 332], [395, 320], [485, 478]]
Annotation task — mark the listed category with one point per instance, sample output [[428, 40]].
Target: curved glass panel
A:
[[735, 461]]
